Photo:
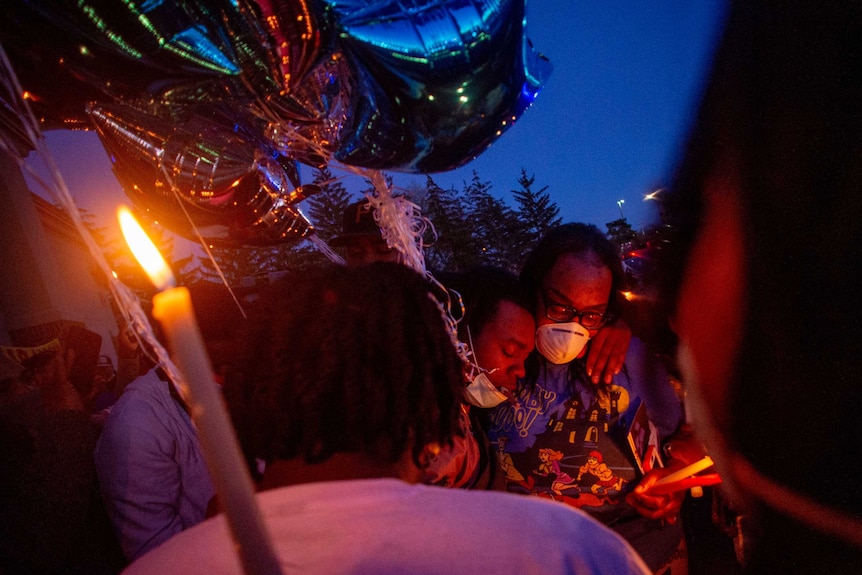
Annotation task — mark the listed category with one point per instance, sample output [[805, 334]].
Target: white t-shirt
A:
[[385, 526]]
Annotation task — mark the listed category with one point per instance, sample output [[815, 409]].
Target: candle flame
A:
[[144, 250]]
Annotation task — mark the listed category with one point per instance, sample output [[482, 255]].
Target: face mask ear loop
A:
[[472, 360], [472, 349], [474, 363]]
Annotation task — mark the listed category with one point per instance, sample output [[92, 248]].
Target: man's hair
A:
[[345, 360], [572, 239], [482, 289]]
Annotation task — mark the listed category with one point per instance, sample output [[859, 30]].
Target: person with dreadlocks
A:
[[346, 381]]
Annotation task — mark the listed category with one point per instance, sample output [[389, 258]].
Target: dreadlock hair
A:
[[350, 360], [568, 239], [482, 290]]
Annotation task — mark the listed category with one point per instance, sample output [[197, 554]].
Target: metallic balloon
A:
[[440, 80], [199, 173], [202, 104]]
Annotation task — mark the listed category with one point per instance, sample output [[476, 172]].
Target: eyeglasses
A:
[[562, 313]]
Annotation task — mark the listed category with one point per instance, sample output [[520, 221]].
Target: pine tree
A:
[[536, 213], [449, 250], [234, 263], [326, 208], [99, 233], [298, 257], [490, 222]]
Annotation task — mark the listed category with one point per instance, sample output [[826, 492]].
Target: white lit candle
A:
[[172, 306], [687, 471]]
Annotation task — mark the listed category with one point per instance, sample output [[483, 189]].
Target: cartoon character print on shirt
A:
[[550, 467], [552, 446], [603, 479]]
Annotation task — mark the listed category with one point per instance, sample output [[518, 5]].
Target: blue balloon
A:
[[440, 82], [220, 92]]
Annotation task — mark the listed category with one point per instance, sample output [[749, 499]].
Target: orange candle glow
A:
[[173, 308]]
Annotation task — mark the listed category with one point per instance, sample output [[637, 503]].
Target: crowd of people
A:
[[52, 519], [537, 437]]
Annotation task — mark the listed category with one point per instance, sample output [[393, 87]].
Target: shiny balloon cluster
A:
[[206, 107]]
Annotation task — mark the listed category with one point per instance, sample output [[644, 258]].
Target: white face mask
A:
[[482, 393], [560, 343]]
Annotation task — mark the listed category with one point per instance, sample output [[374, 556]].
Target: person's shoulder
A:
[[527, 531], [204, 548], [145, 403], [637, 348], [530, 512], [145, 389], [643, 362], [563, 534]]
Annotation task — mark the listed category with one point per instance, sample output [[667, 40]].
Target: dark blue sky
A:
[[608, 125], [614, 112]]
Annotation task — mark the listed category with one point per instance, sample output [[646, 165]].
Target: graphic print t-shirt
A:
[[575, 442]]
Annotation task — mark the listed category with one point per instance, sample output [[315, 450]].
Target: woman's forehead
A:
[[577, 269]]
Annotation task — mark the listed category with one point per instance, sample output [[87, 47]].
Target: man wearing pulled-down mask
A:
[[499, 329]]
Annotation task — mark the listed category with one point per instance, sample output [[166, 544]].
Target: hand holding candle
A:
[[684, 478], [661, 497], [684, 484], [687, 471], [173, 308]]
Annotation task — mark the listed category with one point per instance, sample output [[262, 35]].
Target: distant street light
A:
[[620, 206], [653, 195]]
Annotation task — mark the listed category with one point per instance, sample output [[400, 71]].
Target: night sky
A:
[[608, 125]]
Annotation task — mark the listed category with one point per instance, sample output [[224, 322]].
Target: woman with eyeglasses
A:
[[606, 436]]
